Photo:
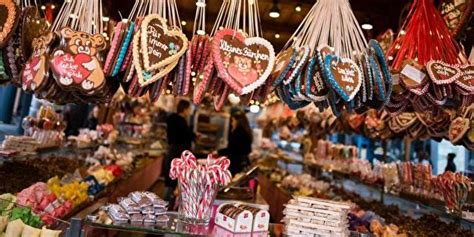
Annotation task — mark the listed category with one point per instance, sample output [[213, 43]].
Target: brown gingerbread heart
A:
[[466, 80], [458, 128], [442, 73], [343, 75], [32, 26], [8, 20], [456, 13]]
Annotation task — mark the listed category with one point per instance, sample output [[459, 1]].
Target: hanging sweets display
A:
[[328, 62], [456, 13], [9, 16], [428, 72]]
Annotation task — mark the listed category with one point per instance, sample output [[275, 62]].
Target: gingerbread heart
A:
[[283, 63], [442, 73], [466, 80], [78, 60], [456, 13], [160, 45], [8, 20], [458, 128], [243, 63], [343, 75], [146, 77], [32, 26], [71, 68], [35, 72]]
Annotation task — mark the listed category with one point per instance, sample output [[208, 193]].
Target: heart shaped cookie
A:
[[76, 63], [343, 75], [458, 128], [442, 73], [456, 13], [146, 77], [283, 63], [160, 45], [36, 69], [466, 80], [32, 26], [8, 20], [243, 63]]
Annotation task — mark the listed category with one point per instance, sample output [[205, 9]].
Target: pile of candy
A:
[[199, 182], [455, 187], [138, 208], [47, 128], [305, 184], [306, 216]]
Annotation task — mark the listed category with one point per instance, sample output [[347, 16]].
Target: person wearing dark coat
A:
[[239, 143], [450, 166], [180, 137]]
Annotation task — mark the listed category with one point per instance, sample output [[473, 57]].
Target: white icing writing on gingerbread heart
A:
[[347, 74], [225, 46], [155, 41], [445, 71]]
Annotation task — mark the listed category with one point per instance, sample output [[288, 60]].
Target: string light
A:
[[43, 7], [277, 36], [183, 23], [298, 7], [53, 6], [367, 26]]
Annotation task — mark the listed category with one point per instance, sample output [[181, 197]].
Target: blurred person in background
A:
[[180, 137], [239, 144]]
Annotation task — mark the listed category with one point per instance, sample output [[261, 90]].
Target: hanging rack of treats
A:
[[329, 63]]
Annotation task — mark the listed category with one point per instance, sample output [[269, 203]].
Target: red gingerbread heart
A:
[[70, 68], [243, 63]]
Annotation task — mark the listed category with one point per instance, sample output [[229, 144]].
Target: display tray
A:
[[173, 226]]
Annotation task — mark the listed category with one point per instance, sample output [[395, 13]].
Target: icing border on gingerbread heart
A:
[[166, 31], [222, 72], [335, 85], [10, 21], [442, 82], [138, 67]]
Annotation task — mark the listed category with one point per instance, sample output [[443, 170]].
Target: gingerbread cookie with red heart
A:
[[35, 72], [243, 63], [77, 63]]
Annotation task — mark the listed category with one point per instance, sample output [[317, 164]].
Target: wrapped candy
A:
[[103, 176], [29, 231], [75, 191], [26, 216], [7, 201], [94, 186], [3, 223], [115, 169], [14, 228], [49, 233], [32, 195]]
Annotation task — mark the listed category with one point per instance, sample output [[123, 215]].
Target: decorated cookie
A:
[[343, 75], [9, 13], [243, 63], [458, 129], [161, 46], [442, 73], [36, 69], [32, 26], [456, 13], [76, 64]]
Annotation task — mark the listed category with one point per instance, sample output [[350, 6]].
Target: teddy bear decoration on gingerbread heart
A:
[[76, 64]]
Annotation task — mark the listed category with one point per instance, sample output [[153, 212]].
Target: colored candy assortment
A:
[[199, 182], [455, 188]]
